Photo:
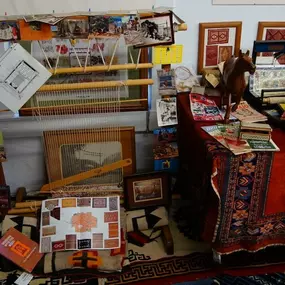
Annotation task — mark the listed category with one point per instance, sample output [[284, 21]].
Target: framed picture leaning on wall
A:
[[271, 31], [146, 190], [217, 42]]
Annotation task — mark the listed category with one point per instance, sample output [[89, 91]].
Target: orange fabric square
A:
[[113, 230], [68, 203], [111, 243]]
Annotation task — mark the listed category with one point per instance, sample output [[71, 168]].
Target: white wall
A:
[[197, 11]]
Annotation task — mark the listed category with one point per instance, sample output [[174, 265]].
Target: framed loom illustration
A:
[[218, 42], [270, 31], [71, 152]]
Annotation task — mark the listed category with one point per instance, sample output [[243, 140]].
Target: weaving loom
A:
[[88, 147]]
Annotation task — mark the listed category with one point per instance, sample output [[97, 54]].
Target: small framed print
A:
[[217, 43], [146, 190]]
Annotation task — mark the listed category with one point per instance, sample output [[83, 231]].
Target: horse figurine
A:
[[233, 80]]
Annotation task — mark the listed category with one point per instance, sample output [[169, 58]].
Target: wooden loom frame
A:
[[143, 82]]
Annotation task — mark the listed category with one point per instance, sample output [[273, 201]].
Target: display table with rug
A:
[[237, 202]]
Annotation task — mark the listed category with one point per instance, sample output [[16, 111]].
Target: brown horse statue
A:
[[233, 80]]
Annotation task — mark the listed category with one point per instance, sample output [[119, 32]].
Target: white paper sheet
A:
[[80, 223]]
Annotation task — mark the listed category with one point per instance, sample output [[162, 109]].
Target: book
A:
[[255, 131], [260, 145], [228, 139], [21, 250], [165, 135], [204, 109], [228, 136], [245, 113], [166, 150]]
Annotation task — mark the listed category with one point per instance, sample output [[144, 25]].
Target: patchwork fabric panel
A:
[[218, 36]]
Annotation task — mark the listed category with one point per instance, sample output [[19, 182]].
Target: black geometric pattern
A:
[[175, 266]]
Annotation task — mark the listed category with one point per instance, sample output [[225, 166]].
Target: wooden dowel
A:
[[92, 85], [128, 66], [22, 211], [31, 204], [76, 105]]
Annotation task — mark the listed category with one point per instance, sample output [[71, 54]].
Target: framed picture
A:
[[217, 43], [72, 152], [156, 30], [271, 31], [145, 190]]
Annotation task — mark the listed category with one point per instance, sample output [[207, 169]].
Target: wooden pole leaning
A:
[[92, 85]]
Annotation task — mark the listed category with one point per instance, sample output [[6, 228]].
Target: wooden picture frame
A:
[[156, 182], [264, 25], [267, 31], [223, 39], [57, 142]]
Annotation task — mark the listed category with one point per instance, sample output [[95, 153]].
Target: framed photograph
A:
[[72, 152], [271, 31], [156, 30], [145, 190], [218, 42]]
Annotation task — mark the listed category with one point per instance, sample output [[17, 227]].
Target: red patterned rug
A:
[[247, 215]]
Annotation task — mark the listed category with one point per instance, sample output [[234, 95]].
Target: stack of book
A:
[[166, 155], [255, 131]]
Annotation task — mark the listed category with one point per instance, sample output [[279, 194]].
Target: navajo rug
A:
[[246, 218], [272, 279]]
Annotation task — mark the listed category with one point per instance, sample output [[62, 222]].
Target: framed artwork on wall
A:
[[218, 42], [271, 31]]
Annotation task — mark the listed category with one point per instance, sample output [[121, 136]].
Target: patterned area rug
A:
[[272, 279], [150, 262], [241, 184], [154, 272], [10, 277]]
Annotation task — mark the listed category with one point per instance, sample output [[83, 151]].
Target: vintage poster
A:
[[166, 112], [204, 109], [80, 223]]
